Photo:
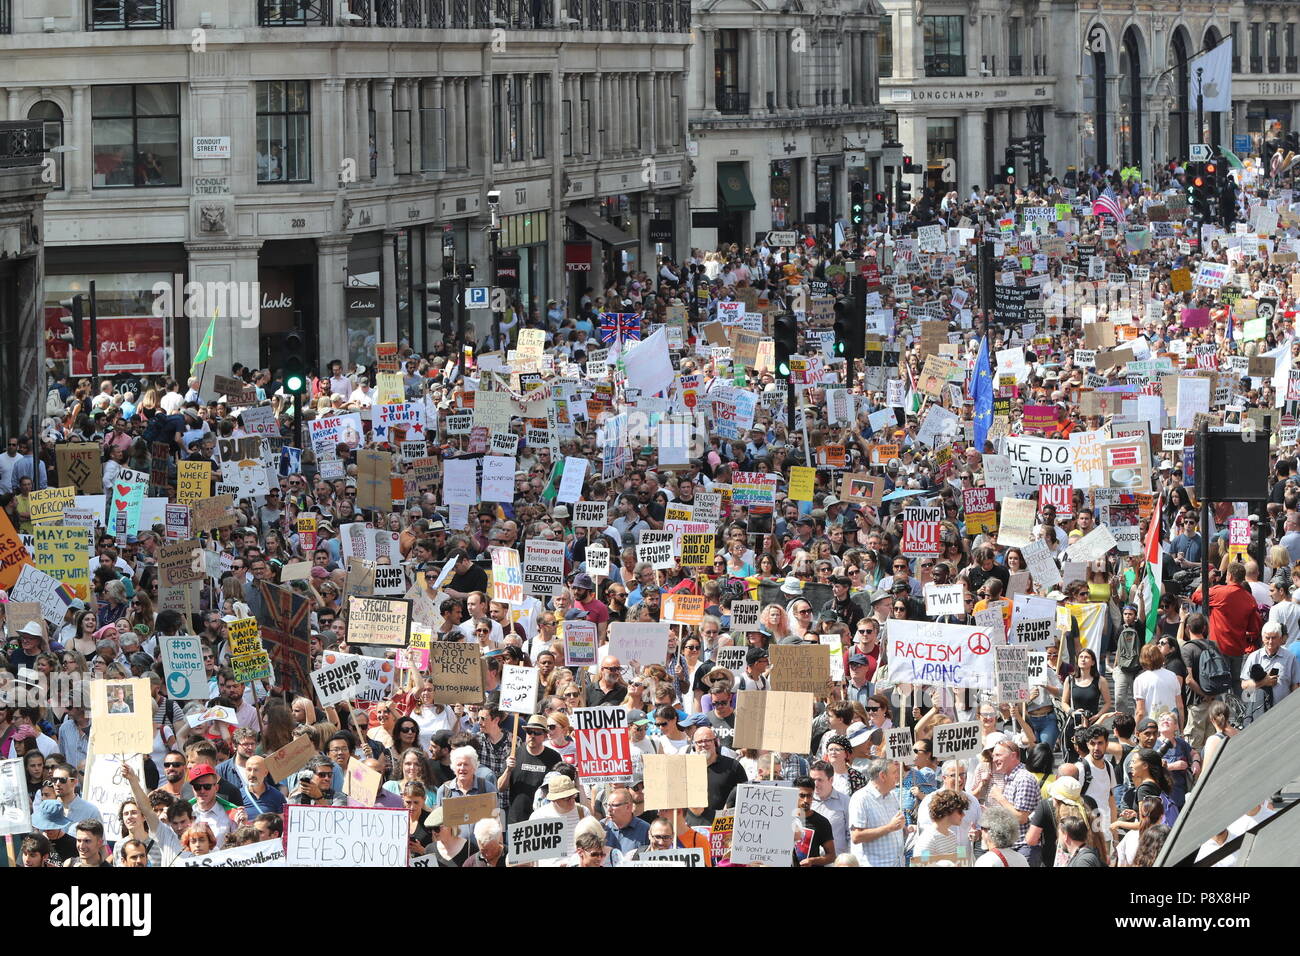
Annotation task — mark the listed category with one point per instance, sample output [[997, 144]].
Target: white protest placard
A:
[[1036, 667], [390, 579], [1012, 672], [507, 576], [339, 681], [575, 472], [687, 856], [597, 559], [898, 743], [943, 599], [543, 567], [262, 853], [346, 836], [1042, 565], [107, 788], [744, 616], [498, 478], [590, 514], [185, 676], [1038, 461], [1092, 545], [943, 655], [1033, 620], [763, 831], [997, 474], [460, 481], [544, 839], [1172, 439], [955, 741], [34, 585], [15, 805], [658, 554], [519, 689], [641, 642]]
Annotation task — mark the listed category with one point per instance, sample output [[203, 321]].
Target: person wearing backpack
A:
[[1098, 776], [1150, 779], [1128, 663], [1208, 677]]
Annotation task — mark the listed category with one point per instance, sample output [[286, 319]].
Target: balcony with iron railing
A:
[[732, 102], [22, 143], [945, 65], [1275, 64], [1016, 65], [669, 16], [128, 15], [1290, 64], [1257, 64]]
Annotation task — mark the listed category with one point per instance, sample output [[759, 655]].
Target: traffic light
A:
[[1227, 203], [910, 167], [73, 321], [1198, 190], [295, 366], [442, 309], [902, 189], [1008, 170], [850, 330], [785, 338], [879, 204], [857, 202]]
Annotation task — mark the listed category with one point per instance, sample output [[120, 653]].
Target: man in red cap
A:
[[221, 815]]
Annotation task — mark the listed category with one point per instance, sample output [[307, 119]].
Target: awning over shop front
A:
[[733, 187], [598, 228]]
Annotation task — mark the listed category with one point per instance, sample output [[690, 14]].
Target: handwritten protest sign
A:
[[121, 715], [382, 621], [763, 831], [15, 804], [519, 689], [456, 672], [1012, 672], [346, 836], [642, 643], [290, 758], [79, 464], [946, 655], [262, 853], [798, 667], [507, 577]]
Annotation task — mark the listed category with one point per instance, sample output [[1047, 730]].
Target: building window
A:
[[283, 131], [1015, 62], [541, 85], [129, 15], [433, 131], [499, 109], [51, 118], [885, 46], [726, 73], [944, 46], [136, 131], [566, 127], [516, 94], [1256, 58]]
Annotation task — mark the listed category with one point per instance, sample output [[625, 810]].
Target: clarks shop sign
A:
[[363, 303]]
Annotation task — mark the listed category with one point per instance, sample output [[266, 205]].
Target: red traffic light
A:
[[1198, 182], [1209, 169]]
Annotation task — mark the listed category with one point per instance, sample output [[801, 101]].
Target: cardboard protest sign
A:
[[534, 840], [862, 488], [121, 714], [179, 562], [798, 667], [345, 836], [898, 743], [361, 784], [1092, 546], [942, 655], [15, 805], [244, 636], [943, 599], [212, 513], [376, 621], [763, 831], [34, 585], [773, 720], [185, 677], [80, 465], [290, 758], [1017, 526], [604, 754], [339, 681], [63, 552], [638, 644], [579, 643], [956, 741], [519, 690], [456, 672], [1012, 673], [676, 781], [48, 504], [262, 853], [106, 787]]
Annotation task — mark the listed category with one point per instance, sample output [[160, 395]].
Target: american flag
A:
[[620, 325], [1107, 205]]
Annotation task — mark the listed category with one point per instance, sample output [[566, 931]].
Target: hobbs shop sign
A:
[[966, 94]]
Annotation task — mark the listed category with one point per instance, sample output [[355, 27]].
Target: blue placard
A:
[[1241, 143]]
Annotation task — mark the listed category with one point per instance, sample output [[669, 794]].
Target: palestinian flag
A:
[[1151, 593], [553, 486], [205, 347]]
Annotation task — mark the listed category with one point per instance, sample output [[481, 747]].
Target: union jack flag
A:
[[620, 325], [286, 634], [1107, 205]]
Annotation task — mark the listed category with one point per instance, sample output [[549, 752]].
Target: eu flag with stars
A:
[[981, 390]]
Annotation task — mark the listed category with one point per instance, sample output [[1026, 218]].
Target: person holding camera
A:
[[312, 787], [1269, 673]]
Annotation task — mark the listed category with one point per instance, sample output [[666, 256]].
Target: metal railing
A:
[[1257, 64], [1275, 64], [945, 66], [295, 13], [22, 143], [1236, 64], [1290, 64], [732, 102], [668, 16], [1016, 65], [128, 15]]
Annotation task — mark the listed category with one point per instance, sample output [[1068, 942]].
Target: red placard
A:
[[1060, 496], [604, 751], [921, 539]]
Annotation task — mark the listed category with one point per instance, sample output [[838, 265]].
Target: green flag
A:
[[205, 347], [1232, 158], [553, 486]]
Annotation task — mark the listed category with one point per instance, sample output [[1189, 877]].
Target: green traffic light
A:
[[294, 383], [783, 369]]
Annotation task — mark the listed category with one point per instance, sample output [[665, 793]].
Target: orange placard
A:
[[683, 608], [12, 553], [881, 454]]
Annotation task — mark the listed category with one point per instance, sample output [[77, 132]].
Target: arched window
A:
[[52, 118]]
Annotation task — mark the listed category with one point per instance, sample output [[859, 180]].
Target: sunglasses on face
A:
[[204, 786]]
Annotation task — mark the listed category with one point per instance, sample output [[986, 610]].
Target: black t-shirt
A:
[[822, 833], [724, 728], [527, 776], [1042, 818], [978, 576], [63, 849], [724, 775], [441, 774], [1134, 796], [475, 579]]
